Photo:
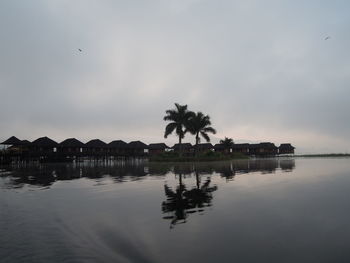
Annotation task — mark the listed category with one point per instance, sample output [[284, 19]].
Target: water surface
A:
[[272, 210]]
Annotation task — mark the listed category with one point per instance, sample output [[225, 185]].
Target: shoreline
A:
[[326, 155]]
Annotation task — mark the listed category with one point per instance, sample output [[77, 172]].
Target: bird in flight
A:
[[327, 38], [79, 49]]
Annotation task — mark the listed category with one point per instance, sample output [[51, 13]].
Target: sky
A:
[[262, 70]]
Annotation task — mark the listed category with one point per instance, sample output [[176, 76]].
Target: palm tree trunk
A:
[[180, 147], [196, 148]]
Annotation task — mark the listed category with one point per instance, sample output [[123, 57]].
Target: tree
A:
[[227, 143], [179, 118], [199, 125]]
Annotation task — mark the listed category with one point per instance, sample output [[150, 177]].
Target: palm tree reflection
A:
[[182, 202]]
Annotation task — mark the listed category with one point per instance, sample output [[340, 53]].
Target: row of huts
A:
[[264, 148], [96, 147]]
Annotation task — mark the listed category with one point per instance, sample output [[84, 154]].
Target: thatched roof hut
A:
[[240, 146], [137, 145], [44, 142], [117, 144], [219, 146], [72, 143], [286, 148], [254, 146], [264, 148], [158, 146], [137, 148], [12, 141], [268, 145], [25, 142], [96, 143]]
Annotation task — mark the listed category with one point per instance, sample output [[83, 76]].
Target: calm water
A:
[[246, 211]]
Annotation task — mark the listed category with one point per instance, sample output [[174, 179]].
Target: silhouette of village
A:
[[45, 149]]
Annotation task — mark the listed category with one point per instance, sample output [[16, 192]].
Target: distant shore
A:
[[323, 155]]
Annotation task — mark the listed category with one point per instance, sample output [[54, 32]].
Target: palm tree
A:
[[179, 118], [227, 143], [199, 125]]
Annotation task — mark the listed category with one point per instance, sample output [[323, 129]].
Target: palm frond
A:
[[180, 118], [169, 129], [205, 136], [210, 130], [200, 124]]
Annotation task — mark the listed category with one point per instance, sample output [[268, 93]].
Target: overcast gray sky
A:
[[262, 70]]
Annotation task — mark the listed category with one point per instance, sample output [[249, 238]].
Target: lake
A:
[[268, 210]]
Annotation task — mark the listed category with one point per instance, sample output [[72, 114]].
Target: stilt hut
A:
[[263, 149], [157, 148], [187, 148], [117, 148], [254, 149], [71, 146], [43, 145], [241, 148], [137, 148], [12, 141], [16, 146], [25, 146], [221, 148], [268, 148], [13, 144], [95, 147], [286, 148]]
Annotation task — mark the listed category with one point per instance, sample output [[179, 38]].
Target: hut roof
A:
[[44, 142], [183, 145], [219, 146], [204, 146], [286, 146], [240, 145], [157, 146], [72, 142], [96, 143], [12, 141], [25, 142], [117, 144], [254, 145], [137, 145], [268, 145]]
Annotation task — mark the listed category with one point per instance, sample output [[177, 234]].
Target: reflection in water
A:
[[182, 202], [257, 218], [44, 175]]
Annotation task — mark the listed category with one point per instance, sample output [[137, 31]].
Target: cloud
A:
[[261, 70]]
